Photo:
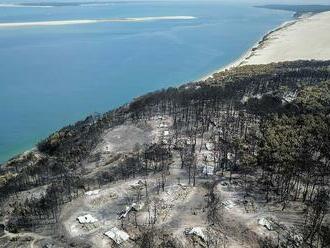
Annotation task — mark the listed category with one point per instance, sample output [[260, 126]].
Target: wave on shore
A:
[[75, 22]]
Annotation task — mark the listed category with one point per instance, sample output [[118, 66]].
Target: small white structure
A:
[[197, 231], [228, 204], [93, 192], [166, 133], [119, 236], [230, 156], [137, 206], [209, 146], [85, 219], [298, 238], [208, 170], [163, 125], [138, 183], [266, 223]]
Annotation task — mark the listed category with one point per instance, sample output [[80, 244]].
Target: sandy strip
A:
[[75, 22], [9, 5], [303, 39], [5, 5]]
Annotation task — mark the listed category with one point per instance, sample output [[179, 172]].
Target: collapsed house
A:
[[196, 231], [163, 125], [208, 170], [135, 207], [93, 192], [228, 204], [265, 223], [86, 219], [166, 133], [118, 236]]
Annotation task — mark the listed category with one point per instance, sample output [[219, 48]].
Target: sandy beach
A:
[[305, 38], [76, 22]]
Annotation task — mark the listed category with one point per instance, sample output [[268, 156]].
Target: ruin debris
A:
[[85, 219], [135, 207], [208, 170], [93, 192], [196, 231], [117, 235], [265, 223]]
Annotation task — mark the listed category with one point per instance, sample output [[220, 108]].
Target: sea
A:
[[52, 76]]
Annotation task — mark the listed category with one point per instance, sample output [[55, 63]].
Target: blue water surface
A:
[[55, 75]]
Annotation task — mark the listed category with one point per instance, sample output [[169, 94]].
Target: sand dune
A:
[[307, 38], [75, 22]]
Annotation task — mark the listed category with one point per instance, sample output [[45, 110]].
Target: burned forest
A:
[[238, 160]]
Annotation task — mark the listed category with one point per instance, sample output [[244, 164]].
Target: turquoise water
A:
[[55, 75]]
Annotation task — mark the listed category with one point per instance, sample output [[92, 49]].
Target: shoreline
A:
[[242, 60]]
